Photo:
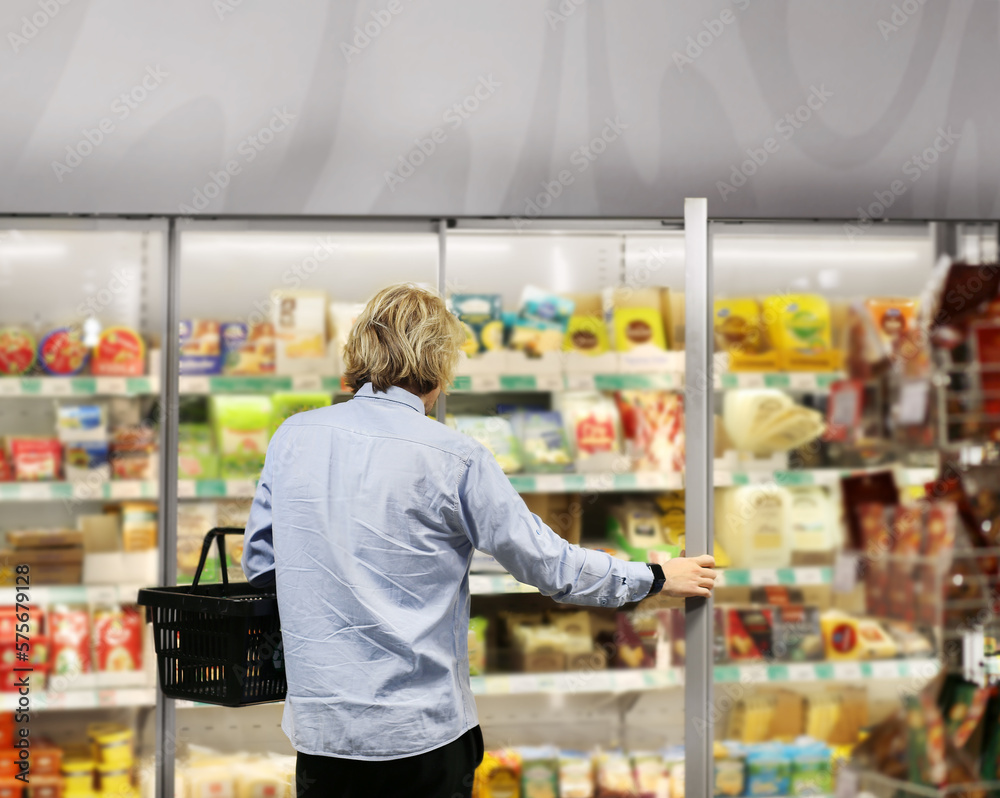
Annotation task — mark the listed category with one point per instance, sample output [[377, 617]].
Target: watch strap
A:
[[659, 578]]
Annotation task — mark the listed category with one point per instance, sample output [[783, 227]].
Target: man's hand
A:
[[688, 577]]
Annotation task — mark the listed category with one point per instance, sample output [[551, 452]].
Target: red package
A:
[[117, 638], [35, 459], [10, 680], [907, 528], [37, 652], [6, 472], [750, 634], [69, 631]]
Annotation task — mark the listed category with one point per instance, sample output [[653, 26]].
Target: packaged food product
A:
[[750, 634], [799, 327], [738, 327], [765, 420], [69, 631], [247, 348], [541, 321], [909, 641], [542, 439], [206, 781], [614, 775], [635, 527], [892, 318], [194, 519], [797, 634], [300, 329], [875, 642], [118, 638], [497, 435], [62, 352], [17, 351], [114, 778], [35, 459], [285, 405], [133, 453], [6, 470], [653, 424], [78, 768], [242, 429], [730, 775], [120, 352], [635, 327], [139, 525], [593, 427], [813, 520], [753, 523], [87, 460], [82, 422], [841, 636], [499, 775], [575, 775], [112, 744], [876, 488], [257, 781], [196, 457], [926, 741], [539, 772], [480, 314], [200, 347], [586, 334], [477, 645], [769, 770], [811, 771]]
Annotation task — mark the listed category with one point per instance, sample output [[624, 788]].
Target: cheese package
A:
[[764, 421], [17, 351], [798, 636], [542, 437], [62, 352], [35, 459], [498, 775], [750, 634], [614, 774], [258, 780], [636, 327], [892, 318], [82, 422], [813, 519], [587, 334], [850, 638], [87, 460], [539, 772], [118, 638], [480, 315], [541, 321], [196, 457], [800, 329], [739, 331], [242, 428], [120, 352], [300, 329], [285, 405], [653, 424], [200, 347], [593, 427], [496, 434], [575, 775], [753, 524], [247, 348]]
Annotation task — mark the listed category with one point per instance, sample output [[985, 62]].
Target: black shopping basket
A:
[[217, 644]]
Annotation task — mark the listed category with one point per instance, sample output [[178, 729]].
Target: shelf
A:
[[504, 584], [79, 386], [78, 491], [42, 595], [603, 482], [805, 381], [260, 384], [83, 699], [816, 476]]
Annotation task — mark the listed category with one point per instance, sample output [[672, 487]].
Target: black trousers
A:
[[445, 772]]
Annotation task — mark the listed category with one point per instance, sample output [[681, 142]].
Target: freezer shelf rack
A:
[[101, 490], [76, 387], [82, 699], [815, 476], [227, 384], [802, 381], [504, 584]]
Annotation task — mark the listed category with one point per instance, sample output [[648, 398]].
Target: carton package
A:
[[200, 347], [562, 512], [300, 329]]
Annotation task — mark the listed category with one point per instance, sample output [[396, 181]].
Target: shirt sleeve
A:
[[258, 544], [497, 521]]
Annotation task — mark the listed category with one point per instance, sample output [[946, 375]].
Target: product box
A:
[[720, 654], [541, 322], [196, 457], [480, 314], [87, 460], [200, 347], [586, 331], [286, 405], [562, 512], [300, 329], [35, 459], [750, 634], [17, 351], [120, 352], [62, 352], [118, 638], [242, 427], [543, 440], [82, 422], [247, 348], [797, 634]]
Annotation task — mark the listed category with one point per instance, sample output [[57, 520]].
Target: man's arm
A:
[[258, 545]]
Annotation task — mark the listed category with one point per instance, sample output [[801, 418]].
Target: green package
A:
[[196, 457], [242, 426], [477, 645], [286, 405]]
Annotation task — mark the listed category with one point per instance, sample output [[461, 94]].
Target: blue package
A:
[[200, 347]]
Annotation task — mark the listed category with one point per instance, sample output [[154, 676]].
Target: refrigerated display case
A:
[[661, 428]]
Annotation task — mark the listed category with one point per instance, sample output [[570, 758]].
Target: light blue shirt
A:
[[366, 517]]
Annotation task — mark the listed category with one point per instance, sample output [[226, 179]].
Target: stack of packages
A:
[[55, 556]]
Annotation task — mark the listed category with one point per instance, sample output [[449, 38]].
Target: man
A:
[[366, 516]]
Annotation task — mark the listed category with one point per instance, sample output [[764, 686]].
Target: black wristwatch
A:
[[659, 579]]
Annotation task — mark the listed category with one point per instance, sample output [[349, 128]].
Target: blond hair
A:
[[405, 336]]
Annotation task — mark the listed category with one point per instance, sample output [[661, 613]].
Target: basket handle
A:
[[218, 534]]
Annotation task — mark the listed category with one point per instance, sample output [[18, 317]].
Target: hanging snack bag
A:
[[62, 352], [17, 351]]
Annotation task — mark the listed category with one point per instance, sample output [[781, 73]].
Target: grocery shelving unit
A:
[[251, 256]]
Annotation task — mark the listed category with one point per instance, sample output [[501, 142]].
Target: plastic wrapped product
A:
[[200, 347], [17, 351], [247, 348], [541, 321], [35, 459], [593, 427], [653, 423], [69, 630], [62, 352], [576, 778], [120, 352], [242, 428], [768, 769], [539, 772], [497, 435], [499, 775], [543, 440], [480, 314]]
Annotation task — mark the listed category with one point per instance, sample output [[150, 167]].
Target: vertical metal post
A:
[[166, 717], [698, 523], [442, 403], [946, 239]]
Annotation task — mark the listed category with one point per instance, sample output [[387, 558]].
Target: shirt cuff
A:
[[639, 580]]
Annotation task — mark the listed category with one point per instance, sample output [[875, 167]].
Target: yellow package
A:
[[499, 775], [587, 335], [638, 327], [841, 636], [798, 323], [738, 327]]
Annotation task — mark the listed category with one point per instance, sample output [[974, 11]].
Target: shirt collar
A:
[[395, 394]]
